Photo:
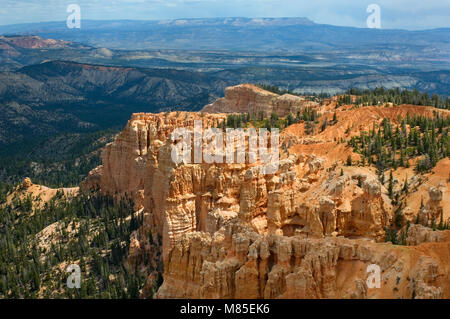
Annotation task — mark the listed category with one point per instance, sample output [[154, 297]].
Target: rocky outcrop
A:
[[40, 195], [418, 234], [26, 183], [182, 198], [247, 98], [370, 212], [308, 230], [432, 212], [239, 263]]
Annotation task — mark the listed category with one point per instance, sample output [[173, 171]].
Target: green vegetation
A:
[[61, 161], [91, 231], [274, 89], [391, 236], [317, 97], [397, 233], [349, 160], [391, 146], [415, 138], [395, 96], [255, 120], [260, 120]]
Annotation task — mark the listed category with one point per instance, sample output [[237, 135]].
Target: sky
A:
[[395, 14]]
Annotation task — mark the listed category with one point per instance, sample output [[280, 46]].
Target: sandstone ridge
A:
[[248, 98], [227, 231]]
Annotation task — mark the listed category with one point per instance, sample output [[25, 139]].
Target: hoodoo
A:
[[309, 230]]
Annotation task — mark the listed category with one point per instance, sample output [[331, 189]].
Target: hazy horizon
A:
[[401, 14], [236, 17]]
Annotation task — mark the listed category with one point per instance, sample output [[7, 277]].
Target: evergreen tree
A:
[[349, 160], [391, 186]]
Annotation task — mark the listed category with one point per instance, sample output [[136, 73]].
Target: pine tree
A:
[[290, 119], [405, 185], [441, 223], [391, 186], [349, 160], [324, 124]]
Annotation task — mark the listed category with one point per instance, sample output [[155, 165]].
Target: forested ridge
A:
[[60, 161], [92, 231], [415, 137], [379, 96]]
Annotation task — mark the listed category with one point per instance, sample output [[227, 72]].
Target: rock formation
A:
[[247, 98], [238, 263], [38, 194], [26, 183], [418, 234], [227, 231], [432, 212]]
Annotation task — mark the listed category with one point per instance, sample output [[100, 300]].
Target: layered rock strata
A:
[[239, 263], [247, 98], [228, 231]]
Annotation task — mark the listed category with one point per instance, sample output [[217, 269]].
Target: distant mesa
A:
[[239, 21], [33, 42]]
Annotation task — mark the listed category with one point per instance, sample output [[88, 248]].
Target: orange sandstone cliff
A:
[[248, 98], [308, 231]]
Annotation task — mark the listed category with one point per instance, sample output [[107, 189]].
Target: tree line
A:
[[260, 120], [92, 231], [390, 146], [395, 96]]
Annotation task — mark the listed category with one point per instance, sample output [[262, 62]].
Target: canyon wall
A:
[[248, 98], [238, 263], [228, 231]]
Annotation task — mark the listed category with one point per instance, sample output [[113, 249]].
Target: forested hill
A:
[[53, 97]]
